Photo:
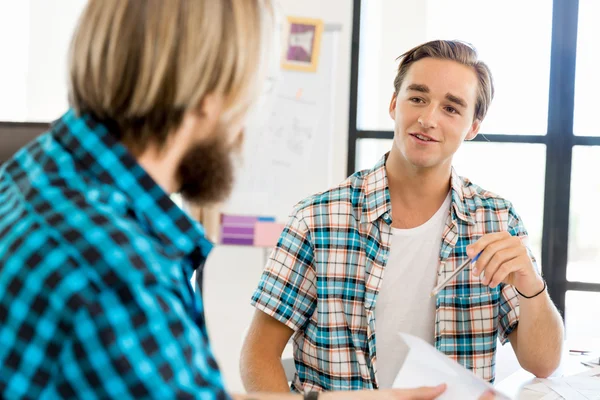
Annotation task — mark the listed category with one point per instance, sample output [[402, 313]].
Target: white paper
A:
[[425, 366], [565, 390], [583, 386], [538, 387]]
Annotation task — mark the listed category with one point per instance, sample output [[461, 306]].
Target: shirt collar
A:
[[109, 162], [376, 193], [377, 201], [461, 193]]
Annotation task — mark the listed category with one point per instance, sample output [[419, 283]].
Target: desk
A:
[[514, 385]]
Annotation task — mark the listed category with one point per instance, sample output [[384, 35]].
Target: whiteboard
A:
[[288, 151]]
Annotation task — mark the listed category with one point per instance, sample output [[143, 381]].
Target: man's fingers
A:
[[496, 263], [488, 396], [493, 251], [504, 271], [484, 241]]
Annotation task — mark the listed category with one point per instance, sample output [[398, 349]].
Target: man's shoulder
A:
[[54, 212], [478, 197], [345, 199]]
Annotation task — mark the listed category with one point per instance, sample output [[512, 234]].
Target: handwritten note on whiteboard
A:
[[288, 151]]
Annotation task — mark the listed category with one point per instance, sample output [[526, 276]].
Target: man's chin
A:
[[207, 174]]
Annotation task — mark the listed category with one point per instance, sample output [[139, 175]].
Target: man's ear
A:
[[474, 130], [210, 106], [393, 106]]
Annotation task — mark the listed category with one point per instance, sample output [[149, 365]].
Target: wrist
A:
[[531, 285], [532, 290]]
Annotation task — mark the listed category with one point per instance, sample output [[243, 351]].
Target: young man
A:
[[96, 260], [356, 264]]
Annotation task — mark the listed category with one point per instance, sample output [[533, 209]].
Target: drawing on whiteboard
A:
[[288, 144]]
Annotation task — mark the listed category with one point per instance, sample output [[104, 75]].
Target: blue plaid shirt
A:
[[95, 270], [323, 278]]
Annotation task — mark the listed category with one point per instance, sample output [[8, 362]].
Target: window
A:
[[541, 128], [519, 58], [587, 79], [578, 322], [584, 219], [479, 162]]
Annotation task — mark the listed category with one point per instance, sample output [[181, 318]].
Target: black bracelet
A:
[[311, 396], [537, 294]]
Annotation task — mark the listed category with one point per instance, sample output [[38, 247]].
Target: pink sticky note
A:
[[266, 234]]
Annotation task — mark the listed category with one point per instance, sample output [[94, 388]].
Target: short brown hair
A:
[[453, 50], [140, 65]]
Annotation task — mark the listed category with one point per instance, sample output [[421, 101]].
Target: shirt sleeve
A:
[[508, 313], [287, 289], [509, 301], [139, 342]]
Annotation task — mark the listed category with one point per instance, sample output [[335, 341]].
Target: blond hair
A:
[[140, 65], [460, 52]]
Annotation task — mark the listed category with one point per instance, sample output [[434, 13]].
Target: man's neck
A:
[[416, 193], [161, 166]]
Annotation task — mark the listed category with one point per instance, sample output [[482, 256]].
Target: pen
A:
[[448, 279], [580, 351]]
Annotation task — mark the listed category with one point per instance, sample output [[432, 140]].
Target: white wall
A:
[[51, 27], [232, 273], [34, 39]]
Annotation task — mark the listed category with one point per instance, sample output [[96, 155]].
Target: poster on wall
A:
[[302, 44]]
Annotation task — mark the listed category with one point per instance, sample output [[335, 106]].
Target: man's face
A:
[[433, 112], [206, 172]]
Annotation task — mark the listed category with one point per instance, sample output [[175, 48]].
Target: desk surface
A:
[[514, 385]]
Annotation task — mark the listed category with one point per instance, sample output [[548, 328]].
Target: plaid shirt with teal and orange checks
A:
[[324, 275], [95, 269]]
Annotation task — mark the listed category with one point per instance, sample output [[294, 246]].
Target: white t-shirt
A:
[[403, 303]]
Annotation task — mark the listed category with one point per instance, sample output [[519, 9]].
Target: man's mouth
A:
[[423, 137]]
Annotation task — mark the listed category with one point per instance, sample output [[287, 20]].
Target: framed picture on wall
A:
[[302, 40]]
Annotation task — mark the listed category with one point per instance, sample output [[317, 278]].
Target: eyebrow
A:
[[418, 88], [456, 100], [449, 96]]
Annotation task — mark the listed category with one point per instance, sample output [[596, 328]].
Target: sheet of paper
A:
[[425, 366], [552, 396], [538, 387], [564, 389], [583, 386]]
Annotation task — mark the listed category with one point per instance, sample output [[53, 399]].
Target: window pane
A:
[[584, 218], [369, 151], [519, 56], [480, 162], [485, 165], [35, 37], [587, 80], [578, 320]]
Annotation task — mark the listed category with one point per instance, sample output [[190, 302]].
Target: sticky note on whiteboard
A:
[[266, 234]]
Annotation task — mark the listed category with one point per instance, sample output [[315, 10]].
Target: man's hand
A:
[[504, 258]]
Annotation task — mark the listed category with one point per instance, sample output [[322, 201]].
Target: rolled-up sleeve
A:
[[287, 289]]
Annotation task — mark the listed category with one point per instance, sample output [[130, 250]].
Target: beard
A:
[[206, 171]]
